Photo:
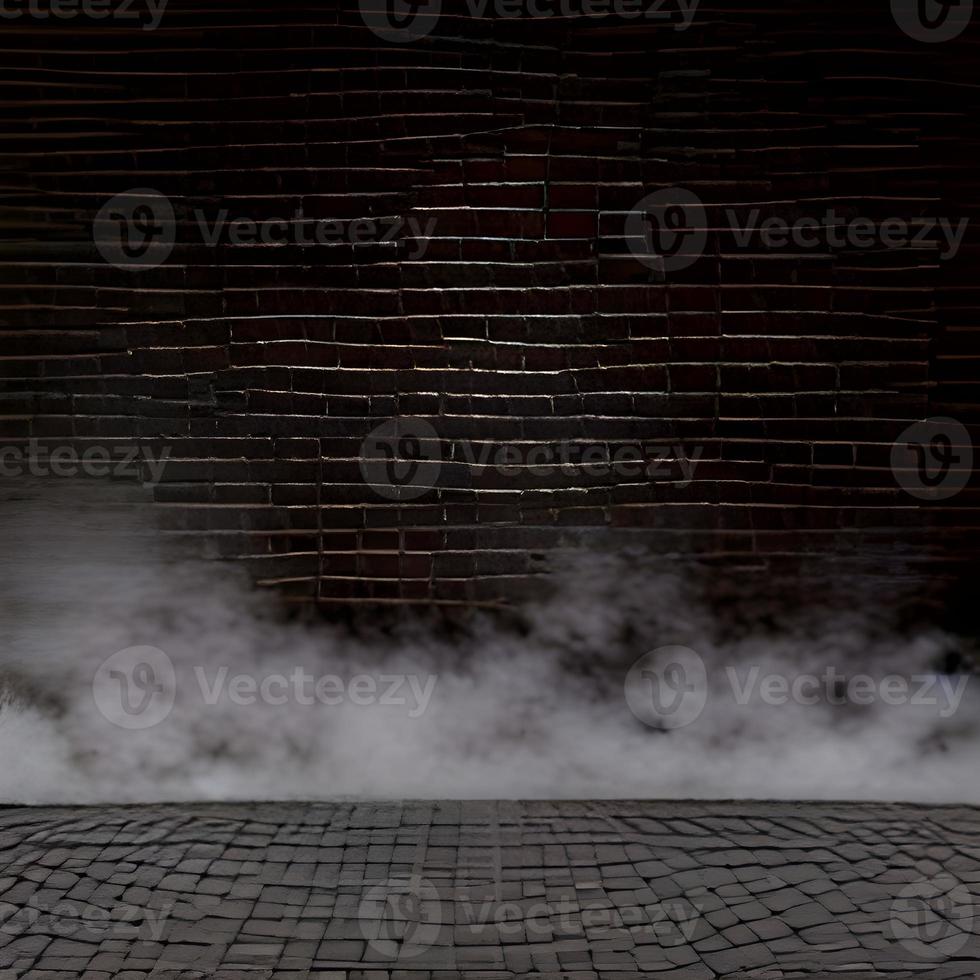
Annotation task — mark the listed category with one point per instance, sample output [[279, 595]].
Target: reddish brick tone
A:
[[526, 320]]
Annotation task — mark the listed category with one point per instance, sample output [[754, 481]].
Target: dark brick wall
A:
[[526, 320]]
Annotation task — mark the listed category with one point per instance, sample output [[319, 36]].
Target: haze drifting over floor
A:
[[491, 708]]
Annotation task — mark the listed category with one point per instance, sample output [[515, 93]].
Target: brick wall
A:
[[523, 319]]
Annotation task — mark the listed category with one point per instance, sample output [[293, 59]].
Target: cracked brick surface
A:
[[489, 891], [522, 319]]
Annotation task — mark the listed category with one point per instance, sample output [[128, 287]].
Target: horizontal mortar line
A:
[[263, 556], [549, 503], [552, 469], [57, 331], [361, 601], [548, 372], [597, 345], [462, 42], [64, 309], [740, 250], [166, 123], [308, 168], [473, 105], [55, 357], [671, 441], [398, 550], [338, 145], [419, 291], [427, 168], [645, 314], [586, 289], [449, 530], [490, 439], [928, 261], [298, 147], [755, 420], [540, 495], [303, 94], [901, 79], [397, 578], [480, 97], [280, 197], [707, 395], [800, 336], [313, 68], [509, 109], [474, 208], [306, 341], [835, 199], [663, 131]]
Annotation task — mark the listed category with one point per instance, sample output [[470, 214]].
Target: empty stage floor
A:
[[489, 891]]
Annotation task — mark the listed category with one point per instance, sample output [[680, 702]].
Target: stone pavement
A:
[[489, 891]]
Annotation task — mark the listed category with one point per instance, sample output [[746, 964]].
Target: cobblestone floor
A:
[[489, 891]]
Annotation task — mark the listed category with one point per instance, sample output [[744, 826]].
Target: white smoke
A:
[[528, 706]]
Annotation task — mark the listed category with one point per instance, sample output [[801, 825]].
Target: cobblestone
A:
[[489, 891]]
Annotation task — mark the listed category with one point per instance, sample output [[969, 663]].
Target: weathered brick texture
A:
[[526, 320]]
